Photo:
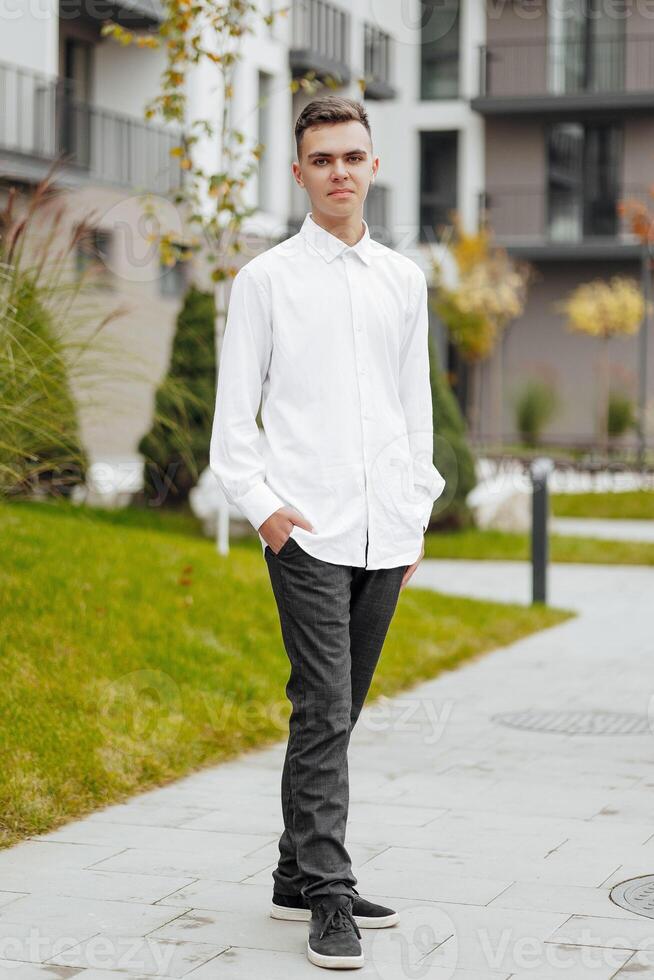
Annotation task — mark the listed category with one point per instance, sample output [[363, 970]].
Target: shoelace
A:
[[337, 920]]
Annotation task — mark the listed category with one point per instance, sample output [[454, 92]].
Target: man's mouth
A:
[[341, 191]]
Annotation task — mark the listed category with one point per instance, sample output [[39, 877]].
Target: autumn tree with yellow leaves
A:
[[489, 294], [603, 310]]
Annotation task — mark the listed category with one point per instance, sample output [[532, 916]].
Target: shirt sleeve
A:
[[234, 456], [416, 397]]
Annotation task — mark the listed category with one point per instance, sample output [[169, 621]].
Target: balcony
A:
[[536, 224], [132, 14], [320, 40], [555, 76], [41, 121], [377, 66]]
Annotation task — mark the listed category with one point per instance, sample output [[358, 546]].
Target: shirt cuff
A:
[[433, 490], [258, 504]]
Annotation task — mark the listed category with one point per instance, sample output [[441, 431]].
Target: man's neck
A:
[[350, 230]]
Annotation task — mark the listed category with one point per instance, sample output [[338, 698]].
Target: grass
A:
[[505, 546], [132, 655], [627, 504]]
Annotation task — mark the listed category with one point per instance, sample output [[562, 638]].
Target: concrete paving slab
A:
[[513, 837]]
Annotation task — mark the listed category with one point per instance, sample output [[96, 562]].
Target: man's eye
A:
[[323, 159]]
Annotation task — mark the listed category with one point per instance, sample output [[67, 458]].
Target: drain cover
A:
[[576, 722], [635, 895]]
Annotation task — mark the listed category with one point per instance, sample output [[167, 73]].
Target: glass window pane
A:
[[439, 49]]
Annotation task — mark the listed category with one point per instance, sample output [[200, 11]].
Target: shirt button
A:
[[362, 370]]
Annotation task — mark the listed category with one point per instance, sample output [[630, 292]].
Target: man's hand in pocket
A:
[[277, 528]]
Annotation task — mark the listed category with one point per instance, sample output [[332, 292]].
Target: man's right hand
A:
[[277, 528]]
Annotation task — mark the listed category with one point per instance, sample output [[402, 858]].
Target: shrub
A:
[[176, 449], [535, 406], [621, 415], [39, 431], [456, 464], [42, 358]]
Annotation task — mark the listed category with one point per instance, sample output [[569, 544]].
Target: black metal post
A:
[[646, 281], [540, 468]]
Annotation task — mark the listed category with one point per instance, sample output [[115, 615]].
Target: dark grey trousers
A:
[[334, 619]]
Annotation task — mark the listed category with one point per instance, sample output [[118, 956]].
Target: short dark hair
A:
[[329, 109]]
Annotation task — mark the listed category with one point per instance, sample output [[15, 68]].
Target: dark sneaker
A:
[[334, 935], [367, 915]]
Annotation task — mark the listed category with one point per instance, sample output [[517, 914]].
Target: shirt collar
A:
[[330, 246]]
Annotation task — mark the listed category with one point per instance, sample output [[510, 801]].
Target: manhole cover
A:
[[635, 895], [576, 722]]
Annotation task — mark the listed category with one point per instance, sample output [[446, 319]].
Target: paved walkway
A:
[[611, 530], [499, 846]]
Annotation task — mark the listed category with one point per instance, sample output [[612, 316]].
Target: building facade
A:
[[566, 92], [535, 116]]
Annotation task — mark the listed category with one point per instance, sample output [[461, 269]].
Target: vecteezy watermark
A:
[[408, 714], [586, 950], [404, 950], [145, 708], [137, 224], [142, 706], [404, 479], [133, 954]]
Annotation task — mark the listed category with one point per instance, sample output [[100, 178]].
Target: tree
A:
[[490, 292], [176, 448], [604, 310]]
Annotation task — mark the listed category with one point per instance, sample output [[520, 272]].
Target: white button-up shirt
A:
[[332, 340]]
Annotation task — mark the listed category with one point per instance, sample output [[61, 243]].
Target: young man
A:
[[329, 330]]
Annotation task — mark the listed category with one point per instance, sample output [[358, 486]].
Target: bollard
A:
[[540, 468]]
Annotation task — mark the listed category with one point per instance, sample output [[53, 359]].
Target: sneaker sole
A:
[[363, 921], [333, 962]]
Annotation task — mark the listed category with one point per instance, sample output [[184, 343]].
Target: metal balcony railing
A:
[[529, 215], [41, 119], [377, 66], [539, 67], [320, 39]]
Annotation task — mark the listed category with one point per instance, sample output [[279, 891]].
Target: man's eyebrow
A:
[[322, 153]]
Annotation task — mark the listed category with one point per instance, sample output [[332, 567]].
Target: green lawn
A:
[[132, 655], [500, 545], [628, 504]]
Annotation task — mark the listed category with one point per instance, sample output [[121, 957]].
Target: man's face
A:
[[336, 158]]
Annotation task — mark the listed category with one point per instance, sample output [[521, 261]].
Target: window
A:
[[92, 251], [438, 181], [586, 47], [583, 188], [439, 49], [74, 95], [376, 53]]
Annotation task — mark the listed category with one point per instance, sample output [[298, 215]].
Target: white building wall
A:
[[126, 78], [29, 34]]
